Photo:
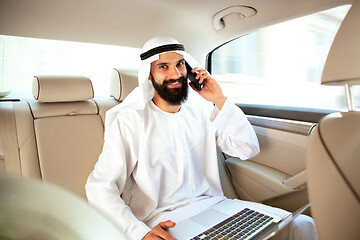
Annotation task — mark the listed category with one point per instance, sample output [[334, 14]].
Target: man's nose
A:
[[174, 73]]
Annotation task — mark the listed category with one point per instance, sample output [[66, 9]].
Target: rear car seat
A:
[[58, 136]]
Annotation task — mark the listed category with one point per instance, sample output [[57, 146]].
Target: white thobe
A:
[[158, 166]]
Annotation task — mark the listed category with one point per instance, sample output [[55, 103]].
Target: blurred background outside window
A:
[[22, 58], [281, 65]]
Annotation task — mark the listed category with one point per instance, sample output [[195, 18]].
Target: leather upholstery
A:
[[226, 183], [333, 178], [2, 162], [333, 160], [68, 158], [122, 83], [44, 110], [33, 210], [57, 138], [62, 88]]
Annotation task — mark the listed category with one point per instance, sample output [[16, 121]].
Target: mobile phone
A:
[[192, 77]]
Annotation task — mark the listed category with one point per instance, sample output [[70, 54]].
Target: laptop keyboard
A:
[[242, 225]]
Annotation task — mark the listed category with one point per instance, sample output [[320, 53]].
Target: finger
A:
[[200, 72], [166, 225], [199, 76], [162, 233], [197, 69], [203, 77], [203, 74]]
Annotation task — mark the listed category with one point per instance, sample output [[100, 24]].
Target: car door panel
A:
[[279, 169]]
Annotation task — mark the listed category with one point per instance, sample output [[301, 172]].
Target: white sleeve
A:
[[234, 134], [106, 183]]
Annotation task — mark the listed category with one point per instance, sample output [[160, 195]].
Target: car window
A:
[[22, 58], [281, 65]]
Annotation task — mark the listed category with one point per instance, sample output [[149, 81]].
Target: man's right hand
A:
[[159, 231]]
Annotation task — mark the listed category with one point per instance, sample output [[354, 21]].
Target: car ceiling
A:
[[133, 22]]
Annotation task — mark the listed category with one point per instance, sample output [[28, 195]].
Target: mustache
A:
[[170, 81]]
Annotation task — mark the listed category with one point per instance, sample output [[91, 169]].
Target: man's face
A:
[[169, 78]]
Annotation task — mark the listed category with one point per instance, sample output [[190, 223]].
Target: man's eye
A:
[[162, 66]]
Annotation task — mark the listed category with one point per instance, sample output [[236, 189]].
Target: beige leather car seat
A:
[[122, 83], [58, 136], [49, 212], [333, 176], [68, 130], [333, 160]]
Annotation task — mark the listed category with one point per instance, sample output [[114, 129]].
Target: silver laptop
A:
[[233, 219]]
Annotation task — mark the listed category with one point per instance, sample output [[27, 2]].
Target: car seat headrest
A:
[[56, 88], [122, 83]]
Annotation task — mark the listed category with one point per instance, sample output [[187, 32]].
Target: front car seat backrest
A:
[[333, 159], [46, 211], [333, 176]]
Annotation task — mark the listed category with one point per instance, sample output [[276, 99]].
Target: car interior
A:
[[52, 133]]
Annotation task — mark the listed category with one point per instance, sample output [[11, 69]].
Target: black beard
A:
[[174, 96]]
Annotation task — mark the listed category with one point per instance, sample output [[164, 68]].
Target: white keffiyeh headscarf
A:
[[142, 94]]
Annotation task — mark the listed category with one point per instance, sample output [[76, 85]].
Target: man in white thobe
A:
[[159, 159]]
